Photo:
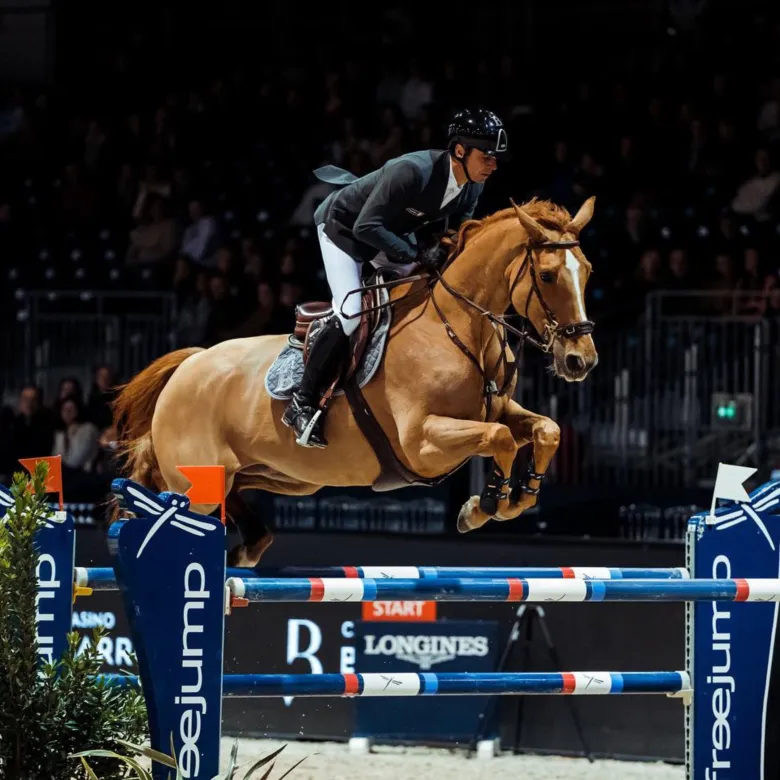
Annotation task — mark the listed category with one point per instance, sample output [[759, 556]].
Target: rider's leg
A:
[[329, 347]]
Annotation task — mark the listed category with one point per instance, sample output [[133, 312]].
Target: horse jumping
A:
[[442, 394]]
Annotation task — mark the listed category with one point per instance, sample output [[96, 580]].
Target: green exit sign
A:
[[727, 411], [732, 411]]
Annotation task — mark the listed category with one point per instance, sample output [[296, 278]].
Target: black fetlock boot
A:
[[303, 414]]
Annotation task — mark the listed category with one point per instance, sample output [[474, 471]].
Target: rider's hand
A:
[[432, 257]]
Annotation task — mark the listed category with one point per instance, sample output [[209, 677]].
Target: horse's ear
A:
[[536, 232], [583, 216]]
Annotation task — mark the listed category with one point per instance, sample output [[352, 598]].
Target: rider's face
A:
[[480, 165]]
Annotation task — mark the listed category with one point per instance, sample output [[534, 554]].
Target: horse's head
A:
[[547, 286]]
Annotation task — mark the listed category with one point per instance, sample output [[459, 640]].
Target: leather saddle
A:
[[311, 316], [309, 319]]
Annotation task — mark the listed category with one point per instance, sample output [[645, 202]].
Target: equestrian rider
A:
[[379, 213]]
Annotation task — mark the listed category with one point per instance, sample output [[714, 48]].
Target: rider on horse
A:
[[379, 213]]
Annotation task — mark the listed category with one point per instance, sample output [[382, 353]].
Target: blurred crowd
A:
[[76, 425], [201, 186], [206, 189]]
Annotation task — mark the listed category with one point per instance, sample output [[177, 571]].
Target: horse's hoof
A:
[[465, 521]]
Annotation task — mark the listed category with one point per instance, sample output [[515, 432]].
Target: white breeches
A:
[[343, 275]]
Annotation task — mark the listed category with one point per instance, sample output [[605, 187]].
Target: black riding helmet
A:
[[478, 129]]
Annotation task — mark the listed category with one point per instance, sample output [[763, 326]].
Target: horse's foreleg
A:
[[545, 435], [447, 438]]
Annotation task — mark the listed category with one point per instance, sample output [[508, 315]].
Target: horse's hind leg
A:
[[256, 538]]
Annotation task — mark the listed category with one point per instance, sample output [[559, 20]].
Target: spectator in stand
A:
[[155, 238], [647, 277], [223, 316], [769, 115], [69, 387], [33, 427], [101, 395], [679, 278], [722, 285], [757, 197], [417, 92], [752, 279], [193, 306], [260, 318], [76, 441], [151, 185], [389, 143], [77, 205], [200, 237]]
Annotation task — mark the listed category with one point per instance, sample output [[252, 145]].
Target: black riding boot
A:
[[303, 414]]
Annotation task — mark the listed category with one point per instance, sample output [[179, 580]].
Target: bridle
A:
[[552, 332]]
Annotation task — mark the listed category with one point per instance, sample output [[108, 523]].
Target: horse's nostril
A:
[[575, 364]]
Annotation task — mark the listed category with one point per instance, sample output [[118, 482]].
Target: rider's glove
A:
[[431, 258]]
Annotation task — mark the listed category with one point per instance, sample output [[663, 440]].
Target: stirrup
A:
[[305, 435]]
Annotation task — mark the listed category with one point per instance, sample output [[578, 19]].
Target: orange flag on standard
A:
[[53, 482], [207, 485]]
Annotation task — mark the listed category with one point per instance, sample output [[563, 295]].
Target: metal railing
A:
[[671, 397], [69, 333]]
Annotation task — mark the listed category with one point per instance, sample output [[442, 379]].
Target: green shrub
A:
[[50, 712]]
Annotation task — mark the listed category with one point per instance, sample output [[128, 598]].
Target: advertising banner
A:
[[448, 646], [736, 677]]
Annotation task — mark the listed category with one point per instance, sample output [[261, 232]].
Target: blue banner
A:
[[734, 672], [448, 646], [171, 569], [56, 544]]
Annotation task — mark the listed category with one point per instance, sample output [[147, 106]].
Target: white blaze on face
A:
[[573, 266]]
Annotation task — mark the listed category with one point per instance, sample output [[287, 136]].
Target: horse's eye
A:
[[546, 276]]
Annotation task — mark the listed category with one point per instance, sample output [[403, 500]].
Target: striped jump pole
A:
[[456, 684], [244, 591], [473, 572], [93, 579], [236, 686], [104, 579]]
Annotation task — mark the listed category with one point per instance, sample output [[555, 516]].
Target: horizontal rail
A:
[[245, 590], [445, 684], [100, 579], [455, 683]]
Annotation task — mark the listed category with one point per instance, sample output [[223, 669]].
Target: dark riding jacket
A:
[[380, 211]]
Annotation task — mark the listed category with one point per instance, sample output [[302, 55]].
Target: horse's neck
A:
[[479, 275]]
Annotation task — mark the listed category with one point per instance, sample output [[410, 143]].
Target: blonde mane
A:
[[545, 212]]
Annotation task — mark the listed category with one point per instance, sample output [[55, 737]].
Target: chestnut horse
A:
[[442, 394]]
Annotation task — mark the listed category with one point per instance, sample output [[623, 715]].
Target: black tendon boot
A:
[[303, 414]]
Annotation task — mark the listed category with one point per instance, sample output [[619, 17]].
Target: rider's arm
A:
[[396, 185]]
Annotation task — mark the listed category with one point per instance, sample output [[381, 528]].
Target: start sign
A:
[[399, 610]]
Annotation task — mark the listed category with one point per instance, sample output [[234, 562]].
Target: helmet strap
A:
[[462, 160]]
